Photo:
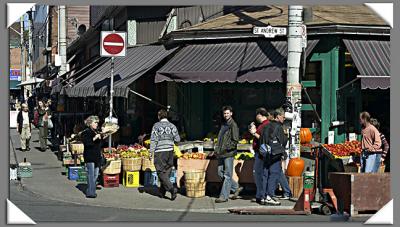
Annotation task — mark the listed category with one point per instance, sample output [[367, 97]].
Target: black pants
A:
[[164, 161]]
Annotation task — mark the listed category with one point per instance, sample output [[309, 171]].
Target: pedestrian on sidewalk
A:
[[260, 178], [371, 144], [24, 127], [380, 159], [43, 117], [164, 135], [273, 141], [228, 138], [92, 140]]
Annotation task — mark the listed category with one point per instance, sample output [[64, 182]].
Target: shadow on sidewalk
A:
[[154, 191], [82, 187]]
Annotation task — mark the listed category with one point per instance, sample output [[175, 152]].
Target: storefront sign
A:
[[269, 31], [15, 74]]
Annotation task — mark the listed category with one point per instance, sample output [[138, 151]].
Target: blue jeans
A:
[[260, 177], [92, 174], [274, 175], [225, 172], [284, 184], [370, 162]]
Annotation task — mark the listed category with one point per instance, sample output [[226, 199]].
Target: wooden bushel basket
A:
[[195, 190], [76, 148], [131, 164], [148, 165], [194, 176], [112, 167]]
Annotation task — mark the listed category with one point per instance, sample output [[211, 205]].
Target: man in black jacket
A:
[[273, 132], [228, 139]]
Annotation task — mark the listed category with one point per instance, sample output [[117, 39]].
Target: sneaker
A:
[[271, 201], [261, 201], [221, 200], [237, 192], [161, 193], [285, 197]]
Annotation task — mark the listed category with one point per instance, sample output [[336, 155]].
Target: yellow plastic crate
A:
[[131, 179]]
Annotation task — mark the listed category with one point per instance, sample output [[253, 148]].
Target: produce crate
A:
[[71, 162], [82, 175], [148, 165], [172, 176], [150, 179], [73, 172], [24, 170], [131, 179], [110, 180], [132, 164], [296, 186], [112, 167], [361, 193]]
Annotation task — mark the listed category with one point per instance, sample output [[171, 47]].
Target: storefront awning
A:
[[372, 59], [259, 61], [137, 62], [375, 82]]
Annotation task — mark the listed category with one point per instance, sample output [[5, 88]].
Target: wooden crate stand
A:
[[359, 193]]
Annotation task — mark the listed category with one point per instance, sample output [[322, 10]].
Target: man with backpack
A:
[[273, 141]]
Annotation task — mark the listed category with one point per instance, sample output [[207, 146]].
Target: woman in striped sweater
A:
[[385, 145]]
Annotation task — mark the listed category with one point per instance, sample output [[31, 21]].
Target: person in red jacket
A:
[[258, 169]]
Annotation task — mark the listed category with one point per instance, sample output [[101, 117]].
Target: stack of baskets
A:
[[195, 183], [132, 164]]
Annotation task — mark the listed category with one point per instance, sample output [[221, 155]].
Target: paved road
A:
[[41, 209]]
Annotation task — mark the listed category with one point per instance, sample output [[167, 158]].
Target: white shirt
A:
[[25, 116]]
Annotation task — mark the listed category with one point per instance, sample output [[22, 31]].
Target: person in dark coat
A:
[[92, 140], [24, 127], [226, 149], [274, 133]]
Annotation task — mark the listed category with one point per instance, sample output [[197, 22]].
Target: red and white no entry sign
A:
[[113, 44]]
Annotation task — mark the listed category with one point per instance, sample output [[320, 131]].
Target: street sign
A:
[[113, 44], [269, 31]]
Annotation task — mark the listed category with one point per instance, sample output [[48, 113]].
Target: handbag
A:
[[50, 124]]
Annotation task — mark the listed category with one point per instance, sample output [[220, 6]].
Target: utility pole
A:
[[30, 54], [293, 95], [62, 39], [22, 43]]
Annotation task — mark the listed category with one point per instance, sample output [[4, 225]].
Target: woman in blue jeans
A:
[[92, 141]]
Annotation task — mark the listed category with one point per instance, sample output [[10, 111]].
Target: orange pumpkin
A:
[[295, 167], [305, 135]]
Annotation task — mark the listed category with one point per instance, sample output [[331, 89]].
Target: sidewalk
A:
[[48, 181]]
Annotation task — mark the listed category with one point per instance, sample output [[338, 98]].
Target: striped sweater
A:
[[163, 136], [385, 146]]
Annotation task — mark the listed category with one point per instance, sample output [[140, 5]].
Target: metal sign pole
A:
[[111, 99]]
